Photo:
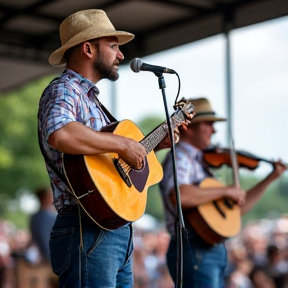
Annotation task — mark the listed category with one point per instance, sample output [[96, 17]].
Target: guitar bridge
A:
[[122, 172]]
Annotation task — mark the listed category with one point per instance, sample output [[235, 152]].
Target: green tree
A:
[[21, 163]]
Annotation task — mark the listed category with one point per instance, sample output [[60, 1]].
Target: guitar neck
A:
[[155, 137], [158, 134]]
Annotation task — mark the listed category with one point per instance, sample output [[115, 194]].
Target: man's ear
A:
[[86, 48]]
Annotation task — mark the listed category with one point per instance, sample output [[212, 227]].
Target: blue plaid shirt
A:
[[68, 98], [190, 171]]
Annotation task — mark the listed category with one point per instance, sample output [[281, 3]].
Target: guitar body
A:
[[110, 199], [215, 221]]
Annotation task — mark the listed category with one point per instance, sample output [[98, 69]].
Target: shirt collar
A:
[[85, 83], [192, 151]]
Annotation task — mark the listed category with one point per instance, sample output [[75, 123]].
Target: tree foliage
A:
[[21, 163]]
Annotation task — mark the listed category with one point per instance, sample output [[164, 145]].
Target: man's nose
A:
[[120, 55]]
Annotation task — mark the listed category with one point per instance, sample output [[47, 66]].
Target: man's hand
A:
[[279, 169], [166, 142], [236, 194], [133, 153]]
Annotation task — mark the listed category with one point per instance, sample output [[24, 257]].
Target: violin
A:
[[215, 157]]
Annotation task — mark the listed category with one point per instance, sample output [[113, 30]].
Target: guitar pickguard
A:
[[139, 177]]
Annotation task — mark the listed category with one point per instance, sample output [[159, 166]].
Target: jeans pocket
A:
[[60, 249], [92, 237]]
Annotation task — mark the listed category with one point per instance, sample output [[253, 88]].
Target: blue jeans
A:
[[203, 265], [104, 261]]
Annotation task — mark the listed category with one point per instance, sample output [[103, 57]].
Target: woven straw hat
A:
[[83, 26], [203, 110]]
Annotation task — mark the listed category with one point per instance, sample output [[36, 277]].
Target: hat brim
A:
[[57, 57], [211, 118]]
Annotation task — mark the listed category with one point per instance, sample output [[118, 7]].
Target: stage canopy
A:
[[29, 28]]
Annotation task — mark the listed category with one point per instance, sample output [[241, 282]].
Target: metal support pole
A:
[[228, 26], [228, 87]]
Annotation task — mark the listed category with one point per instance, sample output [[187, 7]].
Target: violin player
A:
[[203, 263]]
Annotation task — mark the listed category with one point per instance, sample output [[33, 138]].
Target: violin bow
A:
[[234, 163]]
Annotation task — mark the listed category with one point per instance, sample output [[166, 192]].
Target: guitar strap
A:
[[105, 110]]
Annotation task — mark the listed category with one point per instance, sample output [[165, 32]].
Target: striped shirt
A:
[[71, 97], [189, 171]]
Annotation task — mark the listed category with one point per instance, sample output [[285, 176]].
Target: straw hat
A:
[[203, 110], [83, 26]]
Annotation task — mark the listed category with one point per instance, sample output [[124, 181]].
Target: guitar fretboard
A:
[[157, 135]]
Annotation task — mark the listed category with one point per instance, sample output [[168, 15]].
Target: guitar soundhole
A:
[[219, 209], [122, 172]]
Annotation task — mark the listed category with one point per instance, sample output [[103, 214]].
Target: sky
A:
[[259, 58]]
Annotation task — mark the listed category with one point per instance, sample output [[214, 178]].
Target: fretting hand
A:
[[279, 169], [166, 143]]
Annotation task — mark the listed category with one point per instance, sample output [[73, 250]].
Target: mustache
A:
[[117, 62]]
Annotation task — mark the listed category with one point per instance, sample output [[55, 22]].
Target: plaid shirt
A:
[[68, 98], [190, 170]]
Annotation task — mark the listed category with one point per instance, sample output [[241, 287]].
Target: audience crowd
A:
[[258, 256]]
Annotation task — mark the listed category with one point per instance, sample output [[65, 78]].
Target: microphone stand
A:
[[179, 222]]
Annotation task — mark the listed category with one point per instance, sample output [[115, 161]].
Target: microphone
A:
[[137, 65]]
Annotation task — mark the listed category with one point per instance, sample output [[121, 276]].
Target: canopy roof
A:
[[29, 28]]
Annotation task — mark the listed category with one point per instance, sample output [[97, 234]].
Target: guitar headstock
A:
[[185, 111], [186, 107]]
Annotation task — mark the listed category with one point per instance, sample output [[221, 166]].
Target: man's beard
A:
[[104, 69]]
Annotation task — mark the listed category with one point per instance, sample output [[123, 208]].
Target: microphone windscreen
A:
[[135, 65]]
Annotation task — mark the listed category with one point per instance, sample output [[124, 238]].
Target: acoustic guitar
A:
[[220, 219], [111, 192], [215, 221]]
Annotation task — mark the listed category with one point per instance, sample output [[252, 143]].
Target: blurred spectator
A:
[[277, 266], [258, 252], [4, 259], [261, 240], [7, 263], [149, 262], [41, 224], [255, 241], [260, 279], [239, 278]]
